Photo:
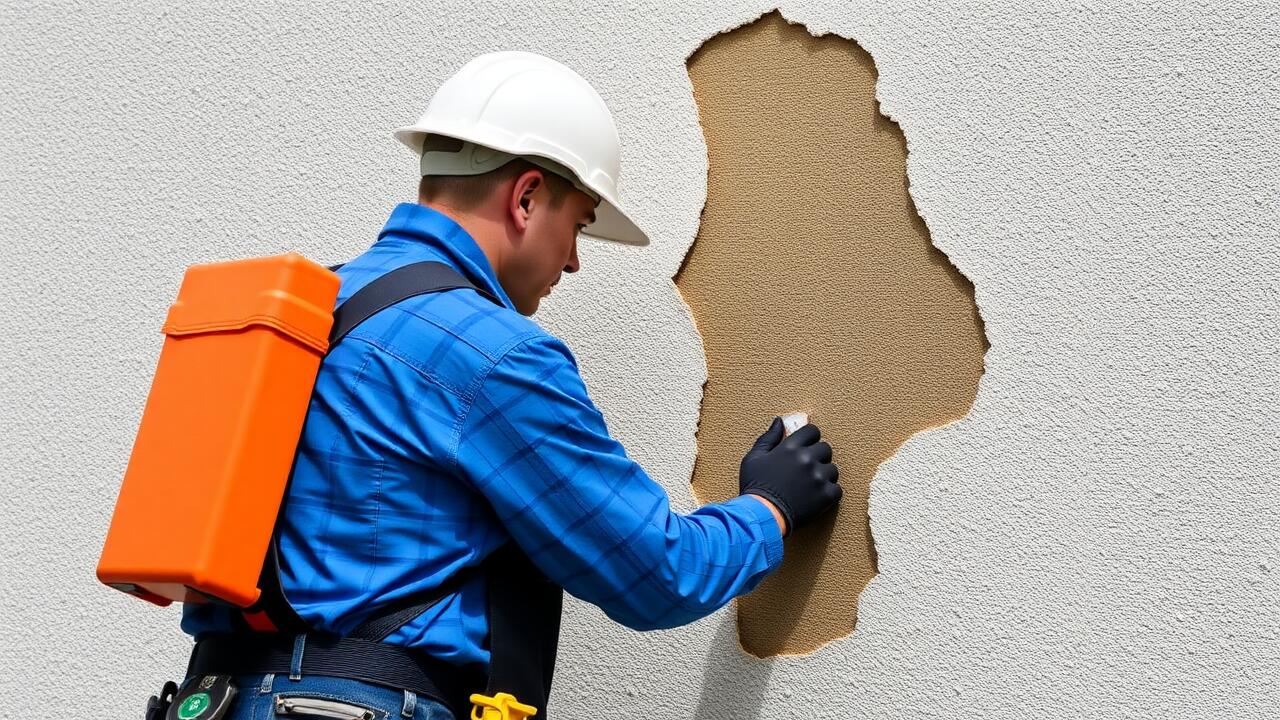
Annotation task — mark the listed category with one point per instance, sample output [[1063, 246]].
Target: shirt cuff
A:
[[766, 524]]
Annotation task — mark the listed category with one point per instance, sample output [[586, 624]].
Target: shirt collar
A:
[[449, 239]]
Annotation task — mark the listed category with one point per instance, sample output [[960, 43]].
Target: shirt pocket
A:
[[302, 706]]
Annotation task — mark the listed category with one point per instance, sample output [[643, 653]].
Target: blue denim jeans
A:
[[277, 697]]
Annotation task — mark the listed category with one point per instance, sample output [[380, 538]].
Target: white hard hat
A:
[[528, 105]]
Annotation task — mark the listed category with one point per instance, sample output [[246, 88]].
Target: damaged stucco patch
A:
[[815, 287]]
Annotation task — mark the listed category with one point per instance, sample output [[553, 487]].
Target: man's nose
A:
[[572, 265]]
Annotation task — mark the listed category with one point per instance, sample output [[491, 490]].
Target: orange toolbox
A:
[[243, 343]]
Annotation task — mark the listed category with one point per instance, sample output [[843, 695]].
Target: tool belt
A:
[[364, 660], [523, 610]]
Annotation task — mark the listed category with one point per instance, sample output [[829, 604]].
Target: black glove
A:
[[794, 473]]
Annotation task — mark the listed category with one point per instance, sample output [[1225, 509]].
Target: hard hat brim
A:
[[612, 223]]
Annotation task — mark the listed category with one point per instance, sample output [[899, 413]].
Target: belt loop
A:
[[295, 663], [267, 681], [410, 704]]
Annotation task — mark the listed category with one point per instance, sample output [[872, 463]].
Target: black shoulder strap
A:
[[524, 627], [387, 620], [400, 284]]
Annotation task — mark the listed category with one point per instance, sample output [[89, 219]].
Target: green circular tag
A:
[[194, 706]]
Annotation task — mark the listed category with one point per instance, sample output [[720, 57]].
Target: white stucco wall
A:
[[1099, 538]]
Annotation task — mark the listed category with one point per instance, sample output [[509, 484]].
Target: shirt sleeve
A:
[[587, 515]]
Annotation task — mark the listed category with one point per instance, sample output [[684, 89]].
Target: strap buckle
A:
[[502, 706]]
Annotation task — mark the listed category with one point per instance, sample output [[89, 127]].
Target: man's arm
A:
[[590, 517]]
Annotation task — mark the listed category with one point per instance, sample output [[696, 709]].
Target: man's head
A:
[[523, 152], [525, 217]]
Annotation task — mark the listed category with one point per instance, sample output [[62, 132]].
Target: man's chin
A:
[[529, 307]]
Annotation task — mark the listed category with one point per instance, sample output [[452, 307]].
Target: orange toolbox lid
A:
[[287, 293], [200, 496]]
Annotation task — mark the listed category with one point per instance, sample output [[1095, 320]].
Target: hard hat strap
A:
[[449, 156]]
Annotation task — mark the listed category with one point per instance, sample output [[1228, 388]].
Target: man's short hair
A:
[[467, 192]]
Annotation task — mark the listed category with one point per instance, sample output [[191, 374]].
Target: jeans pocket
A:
[[319, 707]]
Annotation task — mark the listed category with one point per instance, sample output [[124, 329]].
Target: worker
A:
[[450, 427]]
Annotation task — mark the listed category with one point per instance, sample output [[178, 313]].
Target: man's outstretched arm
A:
[[590, 517]]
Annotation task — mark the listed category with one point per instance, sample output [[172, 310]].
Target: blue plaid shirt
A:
[[445, 426]]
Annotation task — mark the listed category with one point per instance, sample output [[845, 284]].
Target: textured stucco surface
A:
[[1096, 539], [814, 285]]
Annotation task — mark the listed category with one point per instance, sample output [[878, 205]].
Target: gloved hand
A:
[[794, 473]]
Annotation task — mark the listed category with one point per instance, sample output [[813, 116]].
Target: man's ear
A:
[[522, 200]]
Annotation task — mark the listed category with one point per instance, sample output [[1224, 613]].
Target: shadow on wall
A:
[[815, 287], [733, 690]]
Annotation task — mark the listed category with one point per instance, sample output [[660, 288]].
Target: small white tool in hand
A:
[[792, 422]]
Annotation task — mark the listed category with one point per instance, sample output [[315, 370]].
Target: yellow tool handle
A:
[[502, 706]]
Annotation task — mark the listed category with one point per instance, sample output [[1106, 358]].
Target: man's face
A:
[[548, 248]]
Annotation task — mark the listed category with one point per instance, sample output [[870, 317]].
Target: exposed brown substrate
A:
[[815, 287]]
